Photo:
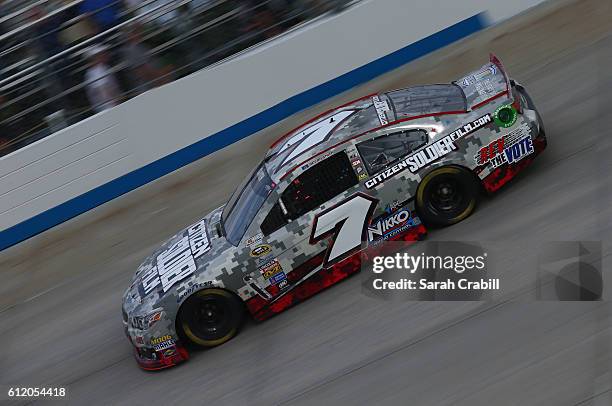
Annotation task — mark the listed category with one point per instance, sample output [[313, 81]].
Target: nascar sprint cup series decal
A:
[[429, 153]]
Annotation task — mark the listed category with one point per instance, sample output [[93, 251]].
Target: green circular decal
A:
[[505, 116]]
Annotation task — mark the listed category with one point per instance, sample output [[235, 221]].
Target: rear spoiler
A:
[[486, 84]]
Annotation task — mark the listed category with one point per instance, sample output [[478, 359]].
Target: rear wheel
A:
[[211, 317], [446, 196]]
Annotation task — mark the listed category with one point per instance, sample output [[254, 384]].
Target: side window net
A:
[[384, 151], [311, 189]]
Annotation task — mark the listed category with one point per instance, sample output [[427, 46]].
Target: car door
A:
[[289, 221], [395, 212]]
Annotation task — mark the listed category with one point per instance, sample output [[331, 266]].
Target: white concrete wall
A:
[[83, 157]]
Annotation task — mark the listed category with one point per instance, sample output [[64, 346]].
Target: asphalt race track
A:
[[60, 295]]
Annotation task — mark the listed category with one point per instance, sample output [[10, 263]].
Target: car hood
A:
[[206, 245]]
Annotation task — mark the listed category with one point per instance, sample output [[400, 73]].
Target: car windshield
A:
[[245, 203]]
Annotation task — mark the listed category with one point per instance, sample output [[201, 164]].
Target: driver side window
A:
[[381, 152], [312, 188]]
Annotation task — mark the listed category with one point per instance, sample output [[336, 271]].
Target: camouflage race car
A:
[[379, 168]]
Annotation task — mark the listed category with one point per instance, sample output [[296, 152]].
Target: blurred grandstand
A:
[[64, 60]]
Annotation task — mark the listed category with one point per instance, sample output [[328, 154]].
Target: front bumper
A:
[[151, 360]]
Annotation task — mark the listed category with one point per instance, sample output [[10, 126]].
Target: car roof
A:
[[357, 117]]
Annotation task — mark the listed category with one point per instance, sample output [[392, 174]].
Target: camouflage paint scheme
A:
[[222, 265]]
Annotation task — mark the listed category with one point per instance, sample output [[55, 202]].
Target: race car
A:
[[380, 168]]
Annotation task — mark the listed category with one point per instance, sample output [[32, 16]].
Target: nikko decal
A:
[[178, 261], [495, 152], [346, 222], [311, 136], [391, 225], [382, 107], [505, 116], [429, 153]]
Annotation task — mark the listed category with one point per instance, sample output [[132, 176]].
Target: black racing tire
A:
[[211, 317], [446, 196]]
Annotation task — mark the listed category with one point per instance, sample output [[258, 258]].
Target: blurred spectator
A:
[[102, 87], [173, 38], [164, 10], [6, 131], [144, 70], [45, 31], [263, 20], [105, 12], [46, 43]]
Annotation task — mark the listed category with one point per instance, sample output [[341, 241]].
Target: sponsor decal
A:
[[356, 162], [159, 340], [468, 80], [178, 261], [391, 207], [278, 278], [485, 87], [283, 284], [191, 289], [362, 176], [519, 150], [270, 269], [316, 160], [164, 345], [381, 109], [170, 352], [261, 250], [491, 70], [495, 152], [391, 225], [140, 340], [198, 239], [261, 261], [473, 79], [256, 239], [429, 153], [505, 116]]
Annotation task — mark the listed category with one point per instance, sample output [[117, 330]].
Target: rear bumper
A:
[[151, 360], [502, 175]]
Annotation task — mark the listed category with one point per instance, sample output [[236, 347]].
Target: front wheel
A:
[[446, 196], [211, 317]]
